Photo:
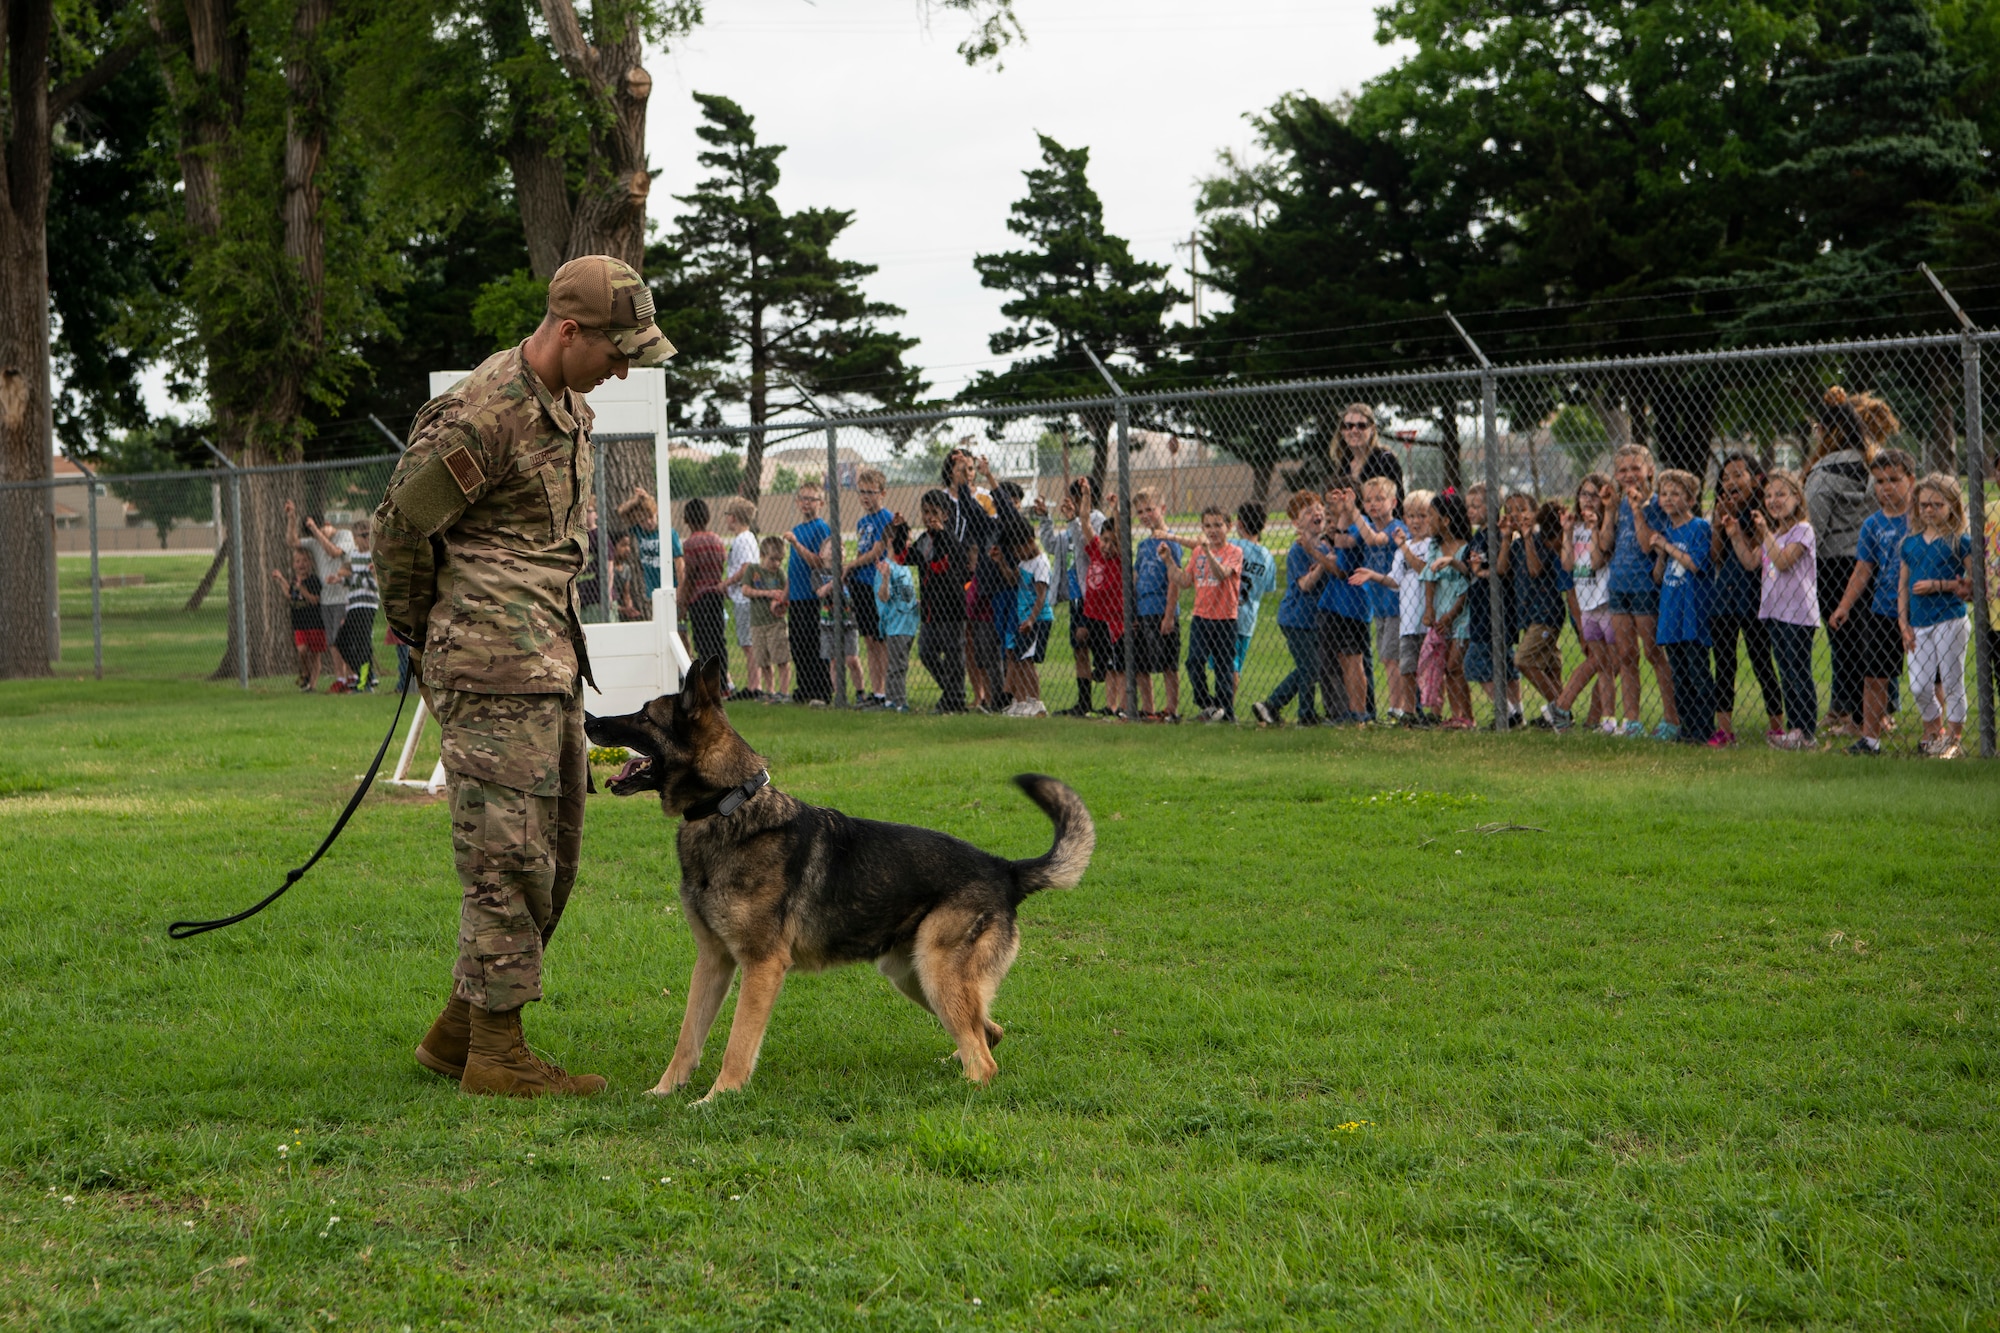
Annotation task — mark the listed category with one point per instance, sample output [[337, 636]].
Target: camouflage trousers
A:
[[518, 765]]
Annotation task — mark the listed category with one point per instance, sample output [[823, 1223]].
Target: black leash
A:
[[187, 930]]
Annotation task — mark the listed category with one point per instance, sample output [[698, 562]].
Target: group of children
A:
[[1632, 567], [331, 592]]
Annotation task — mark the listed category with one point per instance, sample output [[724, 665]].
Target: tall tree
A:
[[1075, 285], [45, 70], [761, 311], [1331, 256]]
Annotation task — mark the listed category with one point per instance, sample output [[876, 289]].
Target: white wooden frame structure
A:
[[632, 661]]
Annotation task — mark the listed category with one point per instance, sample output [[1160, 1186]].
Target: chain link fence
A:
[[1724, 605], [1411, 547]]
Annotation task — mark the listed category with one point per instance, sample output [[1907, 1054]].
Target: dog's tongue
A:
[[636, 764]]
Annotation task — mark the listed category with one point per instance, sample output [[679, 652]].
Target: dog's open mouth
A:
[[635, 776]]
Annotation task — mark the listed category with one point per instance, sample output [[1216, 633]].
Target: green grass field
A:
[[1712, 1042]]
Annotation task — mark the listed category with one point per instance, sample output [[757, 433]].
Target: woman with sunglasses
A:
[[1358, 454]]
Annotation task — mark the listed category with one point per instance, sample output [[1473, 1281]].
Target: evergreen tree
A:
[[1075, 286], [1876, 156], [752, 296]]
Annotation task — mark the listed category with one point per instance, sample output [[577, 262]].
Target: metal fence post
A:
[[96, 573], [839, 663], [1975, 512], [238, 588], [1496, 596], [1128, 572], [1975, 494]]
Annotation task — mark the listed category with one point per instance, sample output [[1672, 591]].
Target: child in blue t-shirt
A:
[[1342, 612], [1482, 554], [896, 615], [1260, 575], [1380, 535], [1683, 552], [1297, 610], [1157, 558], [1876, 638], [1931, 596]]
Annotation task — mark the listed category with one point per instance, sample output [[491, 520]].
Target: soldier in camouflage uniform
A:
[[477, 549]]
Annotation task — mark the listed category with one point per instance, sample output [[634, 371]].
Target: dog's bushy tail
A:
[[1076, 837]]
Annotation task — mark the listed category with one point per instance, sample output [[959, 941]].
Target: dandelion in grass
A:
[[1353, 1126], [69, 1201]]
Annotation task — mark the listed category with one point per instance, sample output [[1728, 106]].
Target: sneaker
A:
[[1951, 750], [1457, 724], [1036, 708], [1516, 718], [744, 695], [1396, 717], [1608, 727], [1773, 732], [1791, 740], [1864, 746], [1557, 719], [1666, 731], [815, 703], [1635, 730], [1720, 740], [338, 687], [1262, 712], [1929, 746], [1209, 715]]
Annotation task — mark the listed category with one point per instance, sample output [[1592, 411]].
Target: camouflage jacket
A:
[[481, 536]]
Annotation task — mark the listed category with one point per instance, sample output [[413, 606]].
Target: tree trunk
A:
[[28, 638], [609, 215]]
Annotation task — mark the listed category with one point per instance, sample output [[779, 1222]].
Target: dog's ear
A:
[[704, 686]]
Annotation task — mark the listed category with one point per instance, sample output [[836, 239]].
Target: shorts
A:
[[1596, 625], [851, 643], [1343, 636], [1096, 636], [772, 643], [1388, 638], [1479, 661], [331, 614], [1645, 603], [1540, 649], [1877, 643], [1155, 653], [1409, 652], [862, 604], [1032, 646], [312, 640]]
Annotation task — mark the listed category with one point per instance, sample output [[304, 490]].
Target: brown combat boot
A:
[[499, 1063], [443, 1047]]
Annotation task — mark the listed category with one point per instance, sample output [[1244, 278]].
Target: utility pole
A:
[[1193, 246]]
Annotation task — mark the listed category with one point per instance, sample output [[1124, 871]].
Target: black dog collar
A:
[[728, 802]]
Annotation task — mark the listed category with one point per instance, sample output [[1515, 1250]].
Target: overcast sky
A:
[[879, 115]]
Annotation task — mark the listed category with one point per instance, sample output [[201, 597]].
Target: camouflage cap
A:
[[607, 295]]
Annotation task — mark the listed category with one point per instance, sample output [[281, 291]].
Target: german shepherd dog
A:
[[770, 883]]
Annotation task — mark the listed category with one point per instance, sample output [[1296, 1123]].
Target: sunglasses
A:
[[1356, 425]]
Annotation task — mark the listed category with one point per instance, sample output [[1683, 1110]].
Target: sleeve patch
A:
[[465, 470]]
